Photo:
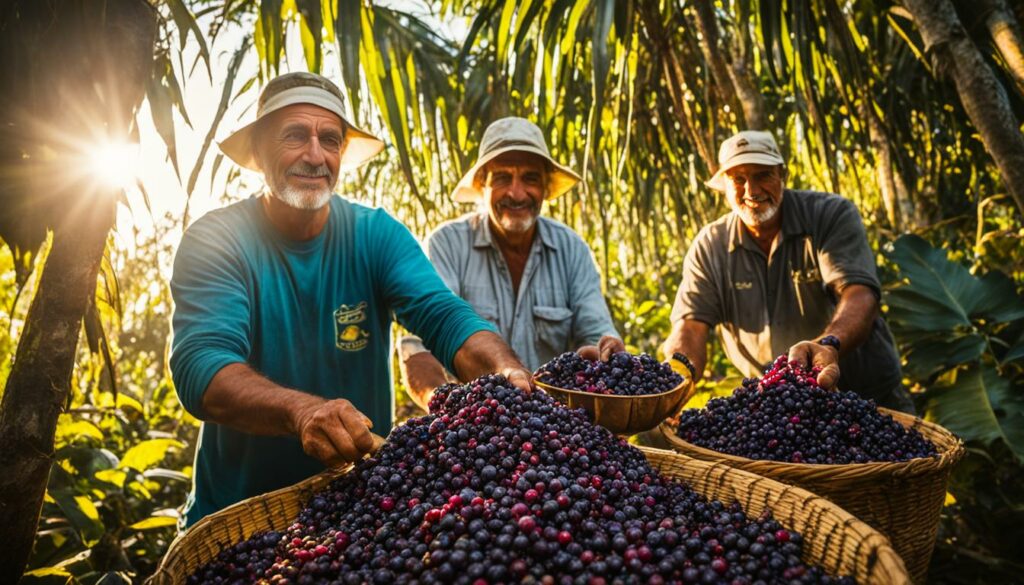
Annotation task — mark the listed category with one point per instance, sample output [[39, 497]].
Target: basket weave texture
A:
[[901, 500], [625, 415], [832, 538]]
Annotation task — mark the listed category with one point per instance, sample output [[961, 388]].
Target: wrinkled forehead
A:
[[523, 161], [750, 169], [304, 115]]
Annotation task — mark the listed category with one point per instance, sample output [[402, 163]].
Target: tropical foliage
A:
[[868, 98]]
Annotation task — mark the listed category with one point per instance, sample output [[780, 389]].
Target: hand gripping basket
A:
[[901, 500], [832, 538]]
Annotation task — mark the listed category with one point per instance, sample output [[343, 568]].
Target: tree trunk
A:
[[731, 75], [981, 94], [1006, 36], [75, 73]]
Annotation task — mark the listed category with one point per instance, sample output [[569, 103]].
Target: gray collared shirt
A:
[[764, 304], [559, 306]]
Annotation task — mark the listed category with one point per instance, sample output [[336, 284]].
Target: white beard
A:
[[304, 199], [518, 226], [752, 217]]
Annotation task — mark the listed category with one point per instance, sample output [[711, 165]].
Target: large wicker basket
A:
[[832, 538], [901, 500]]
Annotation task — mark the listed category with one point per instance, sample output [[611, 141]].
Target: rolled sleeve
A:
[[591, 318], [698, 296], [422, 302], [211, 322], [844, 255]]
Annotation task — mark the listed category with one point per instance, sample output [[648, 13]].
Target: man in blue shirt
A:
[[284, 303]]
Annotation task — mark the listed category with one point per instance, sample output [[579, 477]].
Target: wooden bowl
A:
[[625, 415]]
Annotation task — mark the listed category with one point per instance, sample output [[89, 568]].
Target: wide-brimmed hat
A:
[[302, 88], [508, 135], [747, 147]]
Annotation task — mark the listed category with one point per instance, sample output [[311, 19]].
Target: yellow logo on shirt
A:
[[743, 285], [347, 335]]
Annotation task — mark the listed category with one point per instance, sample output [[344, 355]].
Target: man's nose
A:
[[314, 153]]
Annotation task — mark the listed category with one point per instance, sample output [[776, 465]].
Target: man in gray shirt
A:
[[531, 276], [787, 272]]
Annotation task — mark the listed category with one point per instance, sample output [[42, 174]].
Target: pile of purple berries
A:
[[786, 416], [623, 374], [498, 486]]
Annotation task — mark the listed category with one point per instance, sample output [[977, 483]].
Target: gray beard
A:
[[304, 199], [751, 217]]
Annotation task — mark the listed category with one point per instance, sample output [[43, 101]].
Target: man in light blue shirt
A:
[[284, 303], [531, 276]]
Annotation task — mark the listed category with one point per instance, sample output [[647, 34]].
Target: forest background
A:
[[911, 109]]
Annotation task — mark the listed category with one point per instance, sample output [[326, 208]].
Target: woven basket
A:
[[832, 538], [901, 500], [625, 415]]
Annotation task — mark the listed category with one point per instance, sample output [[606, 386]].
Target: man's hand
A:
[[520, 378], [333, 431], [608, 345], [812, 353]]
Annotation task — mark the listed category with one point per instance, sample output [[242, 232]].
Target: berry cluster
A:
[[623, 374], [786, 416], [499, 486]]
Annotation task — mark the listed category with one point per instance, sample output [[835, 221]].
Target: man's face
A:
[[514, 189], [299, 149], [754, 192]]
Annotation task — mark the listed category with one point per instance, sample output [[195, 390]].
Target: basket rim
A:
[[946, 457], [687, 382]]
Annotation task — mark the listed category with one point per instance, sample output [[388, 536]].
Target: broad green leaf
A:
[[148, 453], [980, 406], [48, 576], [185, 22], [161, 106], [70, 430], [112, 476], [154, 522], [82, 514]]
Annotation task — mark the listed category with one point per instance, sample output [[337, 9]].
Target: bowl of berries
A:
[[627, 394]]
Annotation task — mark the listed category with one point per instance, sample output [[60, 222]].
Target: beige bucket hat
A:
[[747, 147], [302, 88], [514, 134]]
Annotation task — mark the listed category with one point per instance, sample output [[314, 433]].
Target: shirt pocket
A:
[[485, 306], [553, 325]]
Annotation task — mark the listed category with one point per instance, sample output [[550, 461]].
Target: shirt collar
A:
[[482, 237]]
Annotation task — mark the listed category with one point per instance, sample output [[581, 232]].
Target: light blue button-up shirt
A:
[[559, 306]]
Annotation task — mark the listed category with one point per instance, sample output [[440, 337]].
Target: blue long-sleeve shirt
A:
[[312, 315]]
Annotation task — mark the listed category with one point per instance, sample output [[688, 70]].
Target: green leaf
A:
[[185, 23], [82, 514], [154, 522], [148, 453], [349, 30], [161, 105], [311, 30], [941, 312], [980, 406], [48, 576], [70, 430]]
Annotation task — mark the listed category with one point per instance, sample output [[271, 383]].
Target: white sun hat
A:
[[519, 135], [747, 147], [302, 88]]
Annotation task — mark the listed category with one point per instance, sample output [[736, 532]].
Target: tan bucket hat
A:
[[301, 87], [514, 134], [747, 147]]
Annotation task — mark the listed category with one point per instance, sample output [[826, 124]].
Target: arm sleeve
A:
[[844, 255], [442, 250], [211, 323], [698, 297], [591, 318], [414, 291]]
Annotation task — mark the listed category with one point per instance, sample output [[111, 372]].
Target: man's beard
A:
[[307, 199], [753, 217], [517, 225]]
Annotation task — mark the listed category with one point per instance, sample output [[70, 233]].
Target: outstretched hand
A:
[[810, 353], [603, 351]]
